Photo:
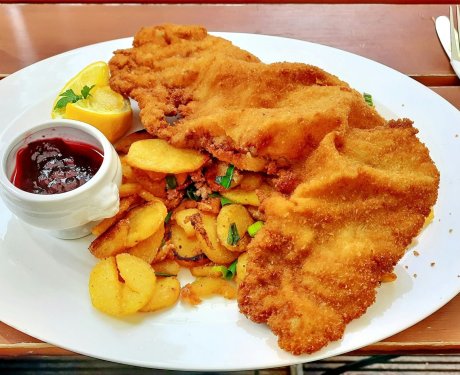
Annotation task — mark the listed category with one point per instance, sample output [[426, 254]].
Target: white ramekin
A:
[[71, 214]]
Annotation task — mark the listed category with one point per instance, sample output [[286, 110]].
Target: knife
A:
[[442, 25]]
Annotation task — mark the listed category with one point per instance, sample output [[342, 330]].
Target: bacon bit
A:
[[211, 205]]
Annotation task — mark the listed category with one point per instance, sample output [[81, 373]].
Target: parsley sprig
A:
[[69, 96]]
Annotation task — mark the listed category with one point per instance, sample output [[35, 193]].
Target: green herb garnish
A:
[[368, 99], [171, 182], [69, 96], [233, 236], [254, 228], [168, 217], [226, 180], [223, 200], [227, 272]]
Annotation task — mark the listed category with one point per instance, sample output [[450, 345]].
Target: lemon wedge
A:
[[103, 108]]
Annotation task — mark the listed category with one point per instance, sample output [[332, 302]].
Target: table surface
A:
[[399, 36]]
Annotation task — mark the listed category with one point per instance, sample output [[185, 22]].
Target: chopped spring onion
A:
[[223, 200], [227, 273], [233, 236], [226, 180], [231, 270], [171, 182], [254, 228], [168, 217], [368, 99]]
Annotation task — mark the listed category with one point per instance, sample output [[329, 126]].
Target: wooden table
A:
[[400, 36]]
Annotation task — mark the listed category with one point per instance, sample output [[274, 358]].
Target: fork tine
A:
[[454, 44]]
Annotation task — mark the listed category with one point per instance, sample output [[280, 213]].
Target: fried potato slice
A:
[[187, 250], [126, 170], [251, 181], [125, 204], [241, 196], [208, 271], [129, 188], [206, 230], [241, 268], [166, 294], [112, 241], [166, 267], [145, 221], [122, 297], [140, 223], [205, 287], [233, 214], [159, 156], [182, 219], [148, 248], [152, 184]]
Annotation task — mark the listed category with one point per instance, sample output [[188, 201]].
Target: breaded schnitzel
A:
[[316, 264], [353, 189], [228, 103]]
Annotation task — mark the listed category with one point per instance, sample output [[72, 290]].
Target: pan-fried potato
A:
[[155, 187], [148, 248], [206, 230], [238, 215], [167, 267], [251, 181], [148, 196], [187, 250], [123, 145], [126, 170], [129, 188], [159, 156], [208, 271], [112, 241], [145, 220], [140, 223], [241, 268], [125, 204], [241, 196], [166, 294], [182, 219], [207, 286], [210, 205], [115, 297], [164, 253]]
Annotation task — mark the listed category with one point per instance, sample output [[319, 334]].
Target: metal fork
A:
[[454, 42]]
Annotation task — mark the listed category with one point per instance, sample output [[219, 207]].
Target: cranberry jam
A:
[[55, 165]]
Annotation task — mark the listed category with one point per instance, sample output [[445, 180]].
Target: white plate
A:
[[43, 281]]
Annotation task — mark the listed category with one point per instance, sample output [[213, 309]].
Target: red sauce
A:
[[55, 165]]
